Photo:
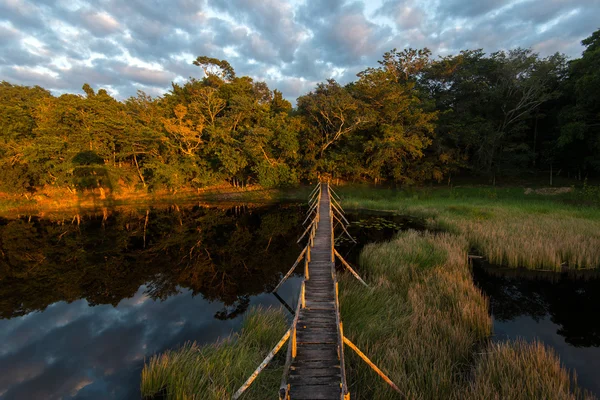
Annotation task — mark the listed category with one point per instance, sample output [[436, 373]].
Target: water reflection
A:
[[560, 309], [84, 300], [142, 271]]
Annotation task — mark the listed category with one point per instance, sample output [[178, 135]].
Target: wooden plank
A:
[[315, 372], [315, 392]]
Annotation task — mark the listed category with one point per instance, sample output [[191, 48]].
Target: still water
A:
[[559, 309], [85, 299]]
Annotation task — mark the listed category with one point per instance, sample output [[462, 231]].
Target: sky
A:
[[126, 46]]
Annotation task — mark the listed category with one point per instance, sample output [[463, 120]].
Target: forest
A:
[[411, 119]]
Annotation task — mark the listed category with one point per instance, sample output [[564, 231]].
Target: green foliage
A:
[[411, 119]]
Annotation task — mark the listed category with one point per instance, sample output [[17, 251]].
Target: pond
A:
[[85, 299], [559, 309]]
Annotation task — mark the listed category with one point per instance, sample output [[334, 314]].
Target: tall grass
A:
[[426, 325], [506, 226], [217, 370], [521, 370], [421, 321]]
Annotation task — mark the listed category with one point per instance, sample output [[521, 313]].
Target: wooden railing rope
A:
[[304, 306], [349, 268], [287, 275]]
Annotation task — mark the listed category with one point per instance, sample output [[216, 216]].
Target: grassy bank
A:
[[214, 372], [506, 226], [426, 324], [63, 201], [423, 321]]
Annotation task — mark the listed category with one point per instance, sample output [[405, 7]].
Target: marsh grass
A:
[[420, 321], [521, 370], [426, 325], [506, 226], [217, 370]]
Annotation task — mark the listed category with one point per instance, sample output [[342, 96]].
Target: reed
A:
[[426, 325], [521, 370], [506, 226], [215, 371], [420, 321]]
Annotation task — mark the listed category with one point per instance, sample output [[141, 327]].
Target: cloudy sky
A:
[[131, 45]]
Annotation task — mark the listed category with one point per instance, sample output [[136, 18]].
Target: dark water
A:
[[82, 305], [561, 310]]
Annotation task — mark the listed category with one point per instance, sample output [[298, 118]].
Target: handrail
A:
[[287, 275], [348, 267], [340, 330], [262, 366], [341, 215], [291, 354]]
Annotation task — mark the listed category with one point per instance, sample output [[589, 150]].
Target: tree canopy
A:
[[410, 119]]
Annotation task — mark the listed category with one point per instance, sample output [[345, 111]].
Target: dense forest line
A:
[[410, 119]]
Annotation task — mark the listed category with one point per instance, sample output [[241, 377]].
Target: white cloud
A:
[[146, 44]]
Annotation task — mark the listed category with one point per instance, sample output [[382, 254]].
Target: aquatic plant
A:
[[215, 371]]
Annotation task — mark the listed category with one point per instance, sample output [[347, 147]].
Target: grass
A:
[[422, 321], [499, 374], [216, 371], [426, 325], [505, 225]]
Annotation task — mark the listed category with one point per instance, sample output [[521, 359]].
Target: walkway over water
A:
[[314, 367], [317, 366]]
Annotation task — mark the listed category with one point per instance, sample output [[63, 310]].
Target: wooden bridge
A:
[[314, 367]]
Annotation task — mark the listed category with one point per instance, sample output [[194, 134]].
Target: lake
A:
[[559, 309], [85, 298]]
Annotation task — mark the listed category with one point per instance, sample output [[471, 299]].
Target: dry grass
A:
[[422, 320], [426, 325], [521, 370], [536, 241], [507, 227]]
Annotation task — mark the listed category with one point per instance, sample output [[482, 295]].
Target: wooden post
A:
[[306, 231], [306, 276], [262, 366], [341, 215], [370, 364], [350, 268], [291, 269], [344, 228]]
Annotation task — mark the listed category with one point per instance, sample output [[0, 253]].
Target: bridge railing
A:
[[314, 212]]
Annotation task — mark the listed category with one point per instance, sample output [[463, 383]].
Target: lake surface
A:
[[84, 299], [559, 309]]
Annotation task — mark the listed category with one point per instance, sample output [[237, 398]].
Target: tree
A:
[[333, 112], [215, 67], [400, 129], [580, 118]]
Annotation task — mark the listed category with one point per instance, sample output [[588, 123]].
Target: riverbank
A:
[[423, 321], [506, 226], [64, 202]]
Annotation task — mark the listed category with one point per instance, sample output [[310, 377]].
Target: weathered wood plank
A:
[[316, 371]]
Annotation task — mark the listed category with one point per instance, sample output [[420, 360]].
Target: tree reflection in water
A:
[[155, 277], [571, 300], [226, 255], [559, 309]]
